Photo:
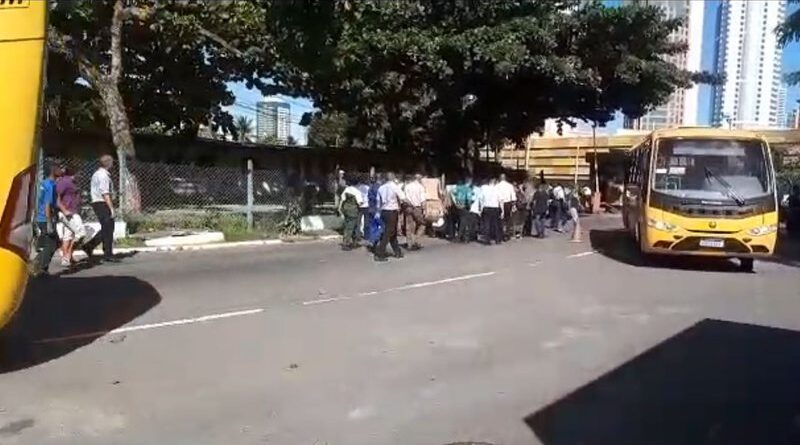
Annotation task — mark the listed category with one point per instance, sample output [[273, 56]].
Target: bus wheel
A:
[[746, 264]]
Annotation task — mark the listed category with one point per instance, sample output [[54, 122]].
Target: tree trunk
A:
[[118, 124], [117, 120]]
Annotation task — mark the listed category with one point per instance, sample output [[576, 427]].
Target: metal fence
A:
[[159, 188]]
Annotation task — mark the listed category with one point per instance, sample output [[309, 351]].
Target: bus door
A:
[[636, 187]]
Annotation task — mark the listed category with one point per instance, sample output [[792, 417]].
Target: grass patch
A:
[[129, 242], [232, 225]]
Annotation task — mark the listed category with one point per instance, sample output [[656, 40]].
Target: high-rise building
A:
[[749, 55], [793, 121], [781, 111], [681, 109], [273, 121]]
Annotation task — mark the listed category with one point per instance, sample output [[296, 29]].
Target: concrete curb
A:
[[211, 246]]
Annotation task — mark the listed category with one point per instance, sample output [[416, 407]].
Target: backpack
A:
[[350, 206]]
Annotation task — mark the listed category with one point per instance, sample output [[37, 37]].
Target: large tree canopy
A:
[[450, 76], [151, 62], [789, 32]]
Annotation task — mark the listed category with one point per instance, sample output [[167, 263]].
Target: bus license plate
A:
[[714, 243]]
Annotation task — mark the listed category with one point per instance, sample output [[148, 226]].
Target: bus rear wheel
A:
[[746, 264]]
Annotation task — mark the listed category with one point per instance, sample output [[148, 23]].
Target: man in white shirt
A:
[[508, 199], [100, 192], [350, 203], [390, 196], [558, 208], [492, 212], [413, 213]]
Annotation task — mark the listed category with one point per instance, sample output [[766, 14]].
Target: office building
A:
[[682, 107], [793, 121], [273, 121], [781, 111], [749, 54]]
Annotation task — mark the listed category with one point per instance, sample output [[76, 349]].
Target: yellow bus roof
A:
[[688, 132]]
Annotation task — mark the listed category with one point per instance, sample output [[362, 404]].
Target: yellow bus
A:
[[22, 46], [702, 191]]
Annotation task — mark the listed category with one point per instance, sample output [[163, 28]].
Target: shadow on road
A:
[[64, 307], [715, 383], [618, 245]]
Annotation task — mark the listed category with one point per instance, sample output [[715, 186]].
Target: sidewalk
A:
[[214, 246]]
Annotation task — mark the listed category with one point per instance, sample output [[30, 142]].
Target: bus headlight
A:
[[763, 230], [661, 225]]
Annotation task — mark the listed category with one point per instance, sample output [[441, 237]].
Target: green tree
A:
[[243, 128], [788, 32], [449, 77], [156, 62], [328, 130]]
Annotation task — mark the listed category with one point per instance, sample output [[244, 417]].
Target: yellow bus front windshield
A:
[[712, 171]]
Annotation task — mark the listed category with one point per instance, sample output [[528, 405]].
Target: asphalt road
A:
[[535, 341]]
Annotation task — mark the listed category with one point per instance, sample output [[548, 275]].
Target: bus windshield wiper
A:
[[729, 190]]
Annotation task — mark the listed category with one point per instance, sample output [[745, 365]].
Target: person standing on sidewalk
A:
[[101, 187], [414, 212], [492, 212], [69, 203], [508, 200], [46, 217], [390, 196]]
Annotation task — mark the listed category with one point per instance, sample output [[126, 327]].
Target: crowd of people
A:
[[59, 201], [376, 210]]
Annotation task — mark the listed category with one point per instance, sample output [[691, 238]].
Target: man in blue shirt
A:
[[46, 217]]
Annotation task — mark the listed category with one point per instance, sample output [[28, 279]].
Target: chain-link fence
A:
[[186, 194]]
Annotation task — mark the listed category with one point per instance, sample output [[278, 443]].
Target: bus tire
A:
[[746, 264]]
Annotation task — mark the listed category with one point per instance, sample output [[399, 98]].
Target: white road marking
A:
[[402, 288], [325, 300], [582, 254], [162, 324], [428, 283], [535, 263]]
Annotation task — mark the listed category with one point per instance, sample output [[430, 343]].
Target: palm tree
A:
[[244, 127], [789, 32]]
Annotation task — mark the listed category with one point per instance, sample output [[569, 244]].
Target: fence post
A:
[[249, 194], [122, 191]]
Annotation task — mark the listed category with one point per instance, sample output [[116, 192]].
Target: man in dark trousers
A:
[[46, 217], [539, 209], [390, 197], [101, 187]]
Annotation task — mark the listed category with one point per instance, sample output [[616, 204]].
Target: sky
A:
[[246, 99]]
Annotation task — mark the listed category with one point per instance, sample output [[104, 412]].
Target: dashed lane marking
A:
[[162, 324], [582, 254], [402, 288]]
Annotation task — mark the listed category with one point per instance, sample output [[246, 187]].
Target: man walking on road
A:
[[349, 203], [508, 199], [414, 217], [101, 187], [390, 196], [558, 208], [46, 214], [539, 209], [492, 212], [69, 202], [462, 200]]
